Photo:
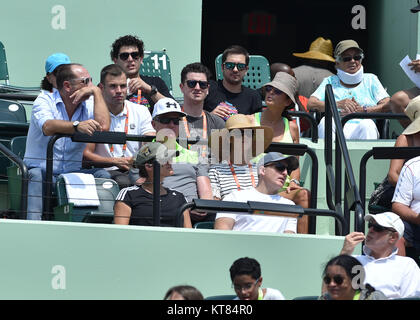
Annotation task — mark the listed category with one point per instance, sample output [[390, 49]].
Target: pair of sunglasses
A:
[[124, 55], [275, 90], [280, 166], [376, 227], [193, 83], [232, 65], [167, 120], [83, 80], [349, 58], [337, 279]]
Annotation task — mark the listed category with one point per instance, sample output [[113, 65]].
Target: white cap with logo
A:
[[167, 105], [388, 220]]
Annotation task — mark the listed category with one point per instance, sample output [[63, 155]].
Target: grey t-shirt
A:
[[309, 78]]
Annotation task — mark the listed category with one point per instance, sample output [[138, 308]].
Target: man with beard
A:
[[229, 92]]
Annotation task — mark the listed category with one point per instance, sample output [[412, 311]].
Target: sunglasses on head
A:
[[376, 227], [272, 89], [193, 83], [83, 80], [232, 65], [349, 58], [124, 55], [167, 120], [338, 280]]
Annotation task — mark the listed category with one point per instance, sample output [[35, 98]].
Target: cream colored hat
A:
[[286, 83], [320, 49], [413, 112]]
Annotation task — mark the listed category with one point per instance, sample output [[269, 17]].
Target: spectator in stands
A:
[[183, 292], [354, 91], [410, 137], [229, 92], [245, 274], [315, 67], [128, 53], [272, 172], [400, 100], [190, 176], [76, 106], [343, 280], [49, 82], [394, 275], [126, 117], [134, 205], [280, 95], [406, 203], [198, 123]]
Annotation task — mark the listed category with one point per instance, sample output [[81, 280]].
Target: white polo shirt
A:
[[395, 276], [139, 121], [407, 190]]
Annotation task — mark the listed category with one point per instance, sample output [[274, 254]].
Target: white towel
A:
[[81, 189]]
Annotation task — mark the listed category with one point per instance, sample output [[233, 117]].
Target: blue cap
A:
[[55, 60]]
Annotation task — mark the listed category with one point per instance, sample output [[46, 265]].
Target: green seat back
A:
[[204, 225], [258, 73], [12, 111], [306, 298], [4, 73], [107, 192], [14, 176], [157, 64]]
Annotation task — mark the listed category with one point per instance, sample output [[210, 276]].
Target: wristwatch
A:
[[75, 124], [153, 90], [295, 181]]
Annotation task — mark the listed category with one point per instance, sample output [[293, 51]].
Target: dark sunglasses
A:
[[337, 279], [231, 66], [275, 90], [349, 58], [192, 84], [82, 80], [124, 55], [376, 227], [175, 121], [280, 166]]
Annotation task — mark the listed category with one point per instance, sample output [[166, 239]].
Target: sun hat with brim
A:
[[55, 60], [320, 49], [345, 45], [151, 151], [388, 220], [273, 157], [413, 112], [286, 83], [241, 122]]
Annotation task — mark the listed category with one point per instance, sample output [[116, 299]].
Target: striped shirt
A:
[[223, 182]]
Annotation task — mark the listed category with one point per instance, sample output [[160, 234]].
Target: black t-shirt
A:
[[145, 99], [141, 203], [248, 101]]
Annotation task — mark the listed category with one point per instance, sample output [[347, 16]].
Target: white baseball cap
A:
[[167, 105], [388, 220]]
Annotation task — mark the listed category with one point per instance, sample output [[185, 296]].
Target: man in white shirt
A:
[[272, 172], [126, 117], [396, 276]]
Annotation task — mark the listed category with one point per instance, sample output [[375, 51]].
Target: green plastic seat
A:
[[12, 111], [258, 73], [204, 225], [104, 213], [306, 298], [14, 175], [157, 64], [4, 75]]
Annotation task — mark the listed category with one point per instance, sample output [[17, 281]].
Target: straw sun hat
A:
[[413, 112], [320, 49]]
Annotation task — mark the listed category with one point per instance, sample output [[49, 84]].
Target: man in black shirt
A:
[[230, 92], [128, 52]]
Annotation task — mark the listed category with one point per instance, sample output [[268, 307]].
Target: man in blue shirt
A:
[[76, 105]]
